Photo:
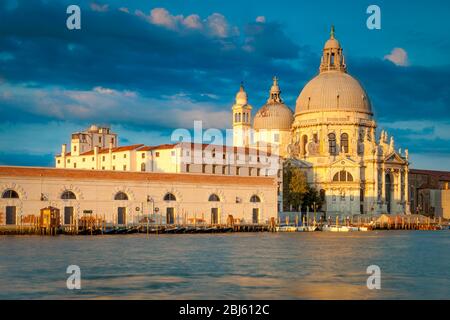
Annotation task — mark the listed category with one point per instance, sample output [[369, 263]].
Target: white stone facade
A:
[[24, 191]]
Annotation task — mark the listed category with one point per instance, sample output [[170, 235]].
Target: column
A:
[[407, 207]]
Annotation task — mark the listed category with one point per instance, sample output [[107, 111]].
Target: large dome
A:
[[333, 90], [274, 115]]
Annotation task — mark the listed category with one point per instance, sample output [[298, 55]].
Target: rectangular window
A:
[[74, 164], [214, 169], [74, 148], [103, 158], [224, 170], [84, 159], [68, 160], [93, 158], [172, 153], [238, 171], [203, 168], [103, 168], [124, 167], [188, 167], [276, 137], [125, 156], [143, 155], [59, 161], [114, 157], [258, 172], [157, 155], [99, 139], [114, 167]]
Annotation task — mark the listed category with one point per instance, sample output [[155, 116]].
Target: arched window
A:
[[214, 197], [344, 142], [68, 195], [142, 166], [255, 198], [332, 143], [10, 194], [170, 197], [343, 176], [121, 196]]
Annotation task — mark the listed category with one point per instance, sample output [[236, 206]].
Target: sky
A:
[[147, 67]]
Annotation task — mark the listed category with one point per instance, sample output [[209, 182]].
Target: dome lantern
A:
[[332, 57], [274, 96]]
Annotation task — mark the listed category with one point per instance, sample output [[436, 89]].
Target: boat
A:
[[335, 228], [363, 229], [311, 228], [286, 228]]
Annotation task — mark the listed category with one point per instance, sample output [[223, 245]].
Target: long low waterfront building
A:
[[131, 197]]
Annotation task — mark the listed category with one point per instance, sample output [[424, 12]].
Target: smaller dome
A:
[[332, 44], [274, 115]]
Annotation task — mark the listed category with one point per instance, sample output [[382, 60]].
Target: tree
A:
[[295, 186], [312, 197]]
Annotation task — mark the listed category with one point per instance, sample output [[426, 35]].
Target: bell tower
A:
[[242, 113]]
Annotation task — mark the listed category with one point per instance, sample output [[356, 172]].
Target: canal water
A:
[[316, 265]]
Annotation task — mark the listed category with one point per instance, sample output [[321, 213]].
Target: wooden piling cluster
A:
[[96, 225]]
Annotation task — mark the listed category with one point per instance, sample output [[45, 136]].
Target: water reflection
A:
[[230, 266]]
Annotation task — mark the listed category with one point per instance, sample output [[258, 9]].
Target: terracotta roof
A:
[[204, 146], [37, 172], [117, 149], [441, 175]]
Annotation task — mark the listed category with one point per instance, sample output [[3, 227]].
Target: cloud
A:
[[398, 56], [102, 104], [99, 7], [218, 25], [261, 19], [215, 25]]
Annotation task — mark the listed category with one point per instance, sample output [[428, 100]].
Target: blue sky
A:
[[147, 67]]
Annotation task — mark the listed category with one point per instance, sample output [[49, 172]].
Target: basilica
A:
[[332, 137]]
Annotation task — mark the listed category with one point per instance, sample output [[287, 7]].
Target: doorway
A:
[[121, 215], [170, 216], [255, 216], [214, 215], [10, 215], [68, 215]]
